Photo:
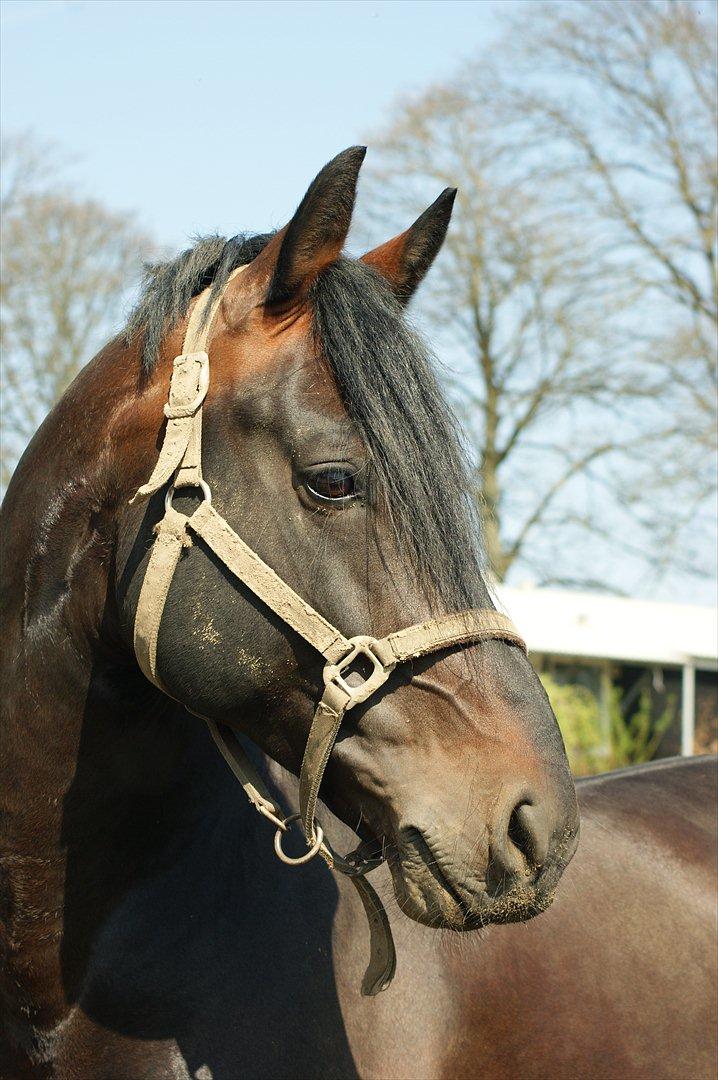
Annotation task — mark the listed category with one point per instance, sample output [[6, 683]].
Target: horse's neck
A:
[[54, 590], [104, 784], [93, 760], [94, 802]]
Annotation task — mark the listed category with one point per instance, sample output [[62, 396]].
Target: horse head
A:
[[329, 449]]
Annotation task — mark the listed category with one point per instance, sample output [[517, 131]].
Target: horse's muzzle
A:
[[508, 873]]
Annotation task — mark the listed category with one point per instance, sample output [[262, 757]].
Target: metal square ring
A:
[[360, 646]]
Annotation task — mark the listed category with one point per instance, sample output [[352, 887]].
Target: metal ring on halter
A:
[[314, 849], [201, 484]]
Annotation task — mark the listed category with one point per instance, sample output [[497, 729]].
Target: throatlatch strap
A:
[[170, 538], [382, 953], [243, 769]]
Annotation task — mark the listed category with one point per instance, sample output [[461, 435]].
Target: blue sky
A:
[[203, 115], [215, 115]]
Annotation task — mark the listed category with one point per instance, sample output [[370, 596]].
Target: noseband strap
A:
[[346, 660]]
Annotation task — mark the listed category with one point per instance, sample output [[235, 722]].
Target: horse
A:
[[147, 929]]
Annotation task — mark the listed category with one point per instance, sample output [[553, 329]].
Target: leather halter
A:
[[180, 461]]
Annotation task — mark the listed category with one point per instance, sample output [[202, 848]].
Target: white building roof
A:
[[607, 627]]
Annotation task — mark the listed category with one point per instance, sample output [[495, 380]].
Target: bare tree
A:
[[515, 303], [27, 165], [645, 154], [579, 316], [631, 135], [67, 266]]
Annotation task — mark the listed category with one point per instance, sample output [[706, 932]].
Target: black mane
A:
[[170, 286], [389, 387]]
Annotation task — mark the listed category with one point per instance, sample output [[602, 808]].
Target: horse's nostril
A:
[[524, 835], [520, 845]]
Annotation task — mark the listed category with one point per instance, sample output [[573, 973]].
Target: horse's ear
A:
[[315, 236], [405, 260]]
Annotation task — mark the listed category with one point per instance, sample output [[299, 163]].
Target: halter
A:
[[180, 461]]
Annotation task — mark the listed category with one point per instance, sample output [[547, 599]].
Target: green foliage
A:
[[579, 717], [635, 736], [632, 737]]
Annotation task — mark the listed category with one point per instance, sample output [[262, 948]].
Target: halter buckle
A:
[[360, 646], [182, 412]]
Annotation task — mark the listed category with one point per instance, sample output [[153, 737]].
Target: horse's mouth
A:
[[429, 892]]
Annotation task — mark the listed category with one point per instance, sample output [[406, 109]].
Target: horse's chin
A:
[[429, 893]]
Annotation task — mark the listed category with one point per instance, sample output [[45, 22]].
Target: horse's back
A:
[[673, 791]]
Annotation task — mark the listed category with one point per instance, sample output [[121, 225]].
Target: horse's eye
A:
[[332, 485]]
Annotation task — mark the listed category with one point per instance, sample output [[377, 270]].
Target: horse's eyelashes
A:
[[336, 484]]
